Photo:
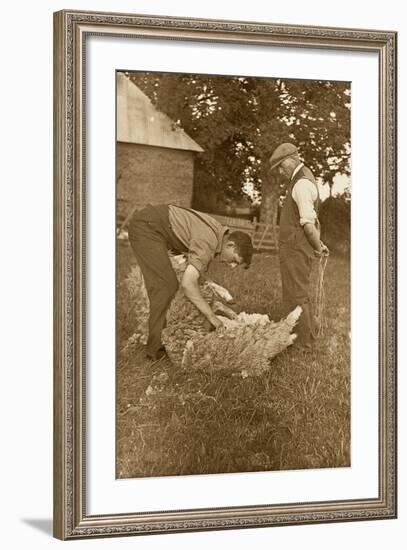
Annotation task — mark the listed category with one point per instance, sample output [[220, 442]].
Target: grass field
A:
[[297, 415]]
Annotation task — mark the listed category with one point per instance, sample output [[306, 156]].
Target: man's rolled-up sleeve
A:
[[201, 251], [305, 195]]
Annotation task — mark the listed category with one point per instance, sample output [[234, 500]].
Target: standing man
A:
[[156, 230], [299, 241]]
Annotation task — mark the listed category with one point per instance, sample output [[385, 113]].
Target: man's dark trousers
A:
[[296, 267], [151, 238], [296, 261]]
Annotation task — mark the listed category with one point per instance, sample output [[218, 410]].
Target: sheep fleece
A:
[[245, 344]]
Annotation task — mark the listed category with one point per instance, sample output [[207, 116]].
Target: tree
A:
[[238, 121]]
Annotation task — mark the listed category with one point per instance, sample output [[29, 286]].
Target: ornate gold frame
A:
[[70, 31]]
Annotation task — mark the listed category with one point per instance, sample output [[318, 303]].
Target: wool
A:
[[185, 322], [245, 344]]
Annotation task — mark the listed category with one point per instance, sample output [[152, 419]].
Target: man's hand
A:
[[323, 250], [190, 287], [216, 323]]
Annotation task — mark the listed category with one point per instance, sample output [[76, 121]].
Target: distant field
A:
[[173, 422]]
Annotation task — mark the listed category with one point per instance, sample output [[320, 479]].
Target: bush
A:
[[334, 215]]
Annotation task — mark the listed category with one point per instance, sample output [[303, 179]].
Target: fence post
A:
[[254, 225], [262, 237], [275, 234]]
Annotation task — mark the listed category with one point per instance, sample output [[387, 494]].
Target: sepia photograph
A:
[[233, 274], [225, 274]]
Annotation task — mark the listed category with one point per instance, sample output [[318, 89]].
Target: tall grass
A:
[[297, 415]]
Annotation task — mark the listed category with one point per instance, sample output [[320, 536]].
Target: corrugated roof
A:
[[138, 121]]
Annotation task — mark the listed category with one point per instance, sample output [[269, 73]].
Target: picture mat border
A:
[[70, 520], [220, 490]]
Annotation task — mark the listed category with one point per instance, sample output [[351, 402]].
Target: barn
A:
[[155, 157]]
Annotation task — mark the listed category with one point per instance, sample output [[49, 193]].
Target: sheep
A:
[[245, 343], [186, 322]]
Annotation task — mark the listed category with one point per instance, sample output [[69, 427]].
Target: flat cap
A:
[[282, 152]]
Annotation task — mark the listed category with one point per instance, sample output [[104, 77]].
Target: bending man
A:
[[156, 230]]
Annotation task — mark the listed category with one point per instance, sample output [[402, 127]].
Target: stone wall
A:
[[153, 175]]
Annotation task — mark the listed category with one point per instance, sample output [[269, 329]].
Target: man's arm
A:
[[190, 287], [304, 194], [312, 235]]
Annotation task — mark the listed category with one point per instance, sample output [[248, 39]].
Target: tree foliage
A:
[[238, 121]]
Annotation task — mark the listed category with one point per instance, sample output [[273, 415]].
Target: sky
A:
[[341, 182]]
